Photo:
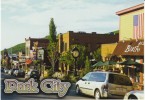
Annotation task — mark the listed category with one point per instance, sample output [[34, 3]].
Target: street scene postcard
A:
[[72, 49]]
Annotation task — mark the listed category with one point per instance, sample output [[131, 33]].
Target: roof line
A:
[[130, 9]]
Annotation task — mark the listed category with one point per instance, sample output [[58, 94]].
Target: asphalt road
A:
[[40, 96]]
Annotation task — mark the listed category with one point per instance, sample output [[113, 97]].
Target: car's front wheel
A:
[[132, 97], [97, 94], [78, 90]]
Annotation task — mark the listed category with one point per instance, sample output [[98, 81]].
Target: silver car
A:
[[136, 95], [104, 84]]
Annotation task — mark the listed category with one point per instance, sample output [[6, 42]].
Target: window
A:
[[119, 79], [126, 81], [65, 46], [98, 77], [86, 77]]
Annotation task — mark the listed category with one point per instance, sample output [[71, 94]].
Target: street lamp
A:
[[75, 54]]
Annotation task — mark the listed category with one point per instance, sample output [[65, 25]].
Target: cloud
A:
[[24, 18]]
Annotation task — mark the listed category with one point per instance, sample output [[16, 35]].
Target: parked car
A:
[[137, 95], [15, 73], [2, 69], [19, 73], [33, 74], [12, 73], [104, 84], [6, 70]]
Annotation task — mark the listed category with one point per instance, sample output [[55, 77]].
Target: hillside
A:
[[15, 49], [116, 32]]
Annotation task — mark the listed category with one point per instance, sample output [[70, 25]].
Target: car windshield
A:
[[98, 77]]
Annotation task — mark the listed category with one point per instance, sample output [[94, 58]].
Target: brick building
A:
[[31, 43], [91, 41]]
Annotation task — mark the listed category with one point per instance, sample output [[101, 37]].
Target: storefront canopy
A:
[[28, 61], [100, 63], [109, 63], [130, 47], [129, 62]]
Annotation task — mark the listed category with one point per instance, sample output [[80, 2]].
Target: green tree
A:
[[5, 52], [87, 65], [67, 58], [97, 54], [52, 31], [53, 54]]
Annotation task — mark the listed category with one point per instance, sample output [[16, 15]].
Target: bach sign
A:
[[135, 48]]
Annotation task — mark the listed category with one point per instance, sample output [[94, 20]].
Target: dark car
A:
[[33, 74], [2, 69], [21, 73], [12, 72]]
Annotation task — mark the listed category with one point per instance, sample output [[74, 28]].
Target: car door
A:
[[114, 85], [126, 85], [96, 80], [83, 83], [90, 84]]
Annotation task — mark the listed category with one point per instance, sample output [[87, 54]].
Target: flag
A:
[[138, 26]]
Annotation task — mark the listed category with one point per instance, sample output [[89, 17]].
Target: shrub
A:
[[70, 78], [49, 72]]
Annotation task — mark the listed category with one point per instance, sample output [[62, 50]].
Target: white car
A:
[[138, 95], [104, 84], [6, 70], [10, 72], [16, 72]]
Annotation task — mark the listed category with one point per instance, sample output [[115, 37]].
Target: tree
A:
[[52, 31], [53, 54], [5, 53], [67, 58], [97, 54], [87, 65]]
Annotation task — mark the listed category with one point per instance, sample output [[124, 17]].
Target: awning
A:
[[28, 61], [130, 47]]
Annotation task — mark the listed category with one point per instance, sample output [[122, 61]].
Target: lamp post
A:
[[91, 58], [75, 54]]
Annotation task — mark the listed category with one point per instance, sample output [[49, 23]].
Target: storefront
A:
[[134, 50]]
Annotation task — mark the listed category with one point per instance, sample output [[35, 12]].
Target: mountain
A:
[[116, 32], [15, 49]]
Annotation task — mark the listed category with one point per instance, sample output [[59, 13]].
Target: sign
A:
[[136, 48], [40, 54]]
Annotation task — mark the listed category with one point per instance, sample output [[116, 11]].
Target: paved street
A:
[[40, 96]]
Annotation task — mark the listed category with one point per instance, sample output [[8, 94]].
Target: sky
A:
[[22, 19]]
